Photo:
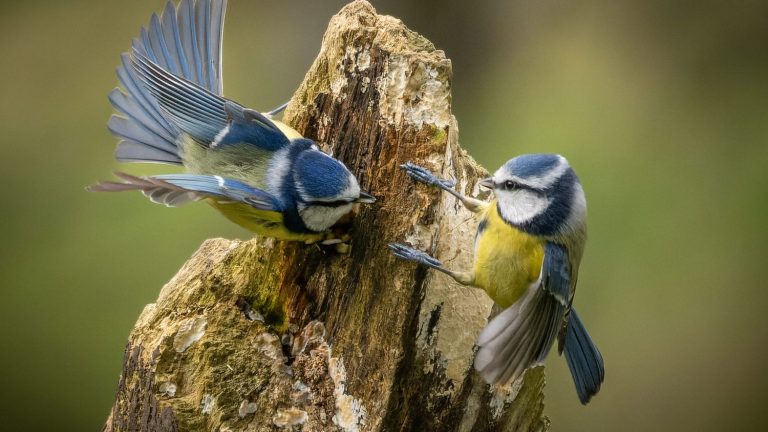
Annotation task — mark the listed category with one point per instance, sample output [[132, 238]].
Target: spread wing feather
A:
[[185, 41]]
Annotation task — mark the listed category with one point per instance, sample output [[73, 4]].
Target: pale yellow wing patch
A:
[[287, 130]]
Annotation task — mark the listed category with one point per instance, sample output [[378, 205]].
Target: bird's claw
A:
[[425, 176], [341, 245], [331, 241], [411, 254]]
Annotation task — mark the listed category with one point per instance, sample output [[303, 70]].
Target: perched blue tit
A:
[[528, 247], [255, 170]]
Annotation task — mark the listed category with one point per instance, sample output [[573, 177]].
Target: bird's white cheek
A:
[[319, 218], [521, 205]]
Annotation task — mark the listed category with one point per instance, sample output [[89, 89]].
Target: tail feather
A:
[[157, 190], [174, 190], [584, 359], [185, 41]]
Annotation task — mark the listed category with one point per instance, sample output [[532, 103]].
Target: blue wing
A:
[[172, 83], [174, 190], [186, 41], [556, 273], [210, 119], [188, 106]]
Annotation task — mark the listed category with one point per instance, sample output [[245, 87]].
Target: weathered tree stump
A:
[[263, 335]]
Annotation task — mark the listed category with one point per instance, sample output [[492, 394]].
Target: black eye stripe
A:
[[337, 203], [510, 185]]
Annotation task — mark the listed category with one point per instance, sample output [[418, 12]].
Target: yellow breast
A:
[[265, 223], [507, 260]]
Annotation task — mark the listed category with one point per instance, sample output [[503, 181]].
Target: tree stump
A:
[[264, 335]]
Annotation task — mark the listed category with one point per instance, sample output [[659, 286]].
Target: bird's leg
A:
[[277, 110], [417, 256], [425, 176]]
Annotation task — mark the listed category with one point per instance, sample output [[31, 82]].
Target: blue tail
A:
[[584, 359], [185, 41], [174, 190]]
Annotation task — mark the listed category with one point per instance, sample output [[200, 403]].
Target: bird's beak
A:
[[365, 198], [487, 183]]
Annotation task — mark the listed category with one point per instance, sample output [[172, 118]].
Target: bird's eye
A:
[[509, 184]]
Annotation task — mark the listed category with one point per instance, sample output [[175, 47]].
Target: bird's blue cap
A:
[[319, 176], [532, 165]]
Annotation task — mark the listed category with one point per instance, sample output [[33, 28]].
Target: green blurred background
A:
[[662, 107]]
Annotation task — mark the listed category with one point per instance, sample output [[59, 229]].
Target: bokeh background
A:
[[661, 106]]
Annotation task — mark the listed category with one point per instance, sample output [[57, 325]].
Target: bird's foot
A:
[[339, 241], [417, 256], [425, 176]]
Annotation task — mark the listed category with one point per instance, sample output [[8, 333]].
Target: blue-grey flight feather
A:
[[140, 109], [141, 118], [196, 111], [186, 42], [130, 151]]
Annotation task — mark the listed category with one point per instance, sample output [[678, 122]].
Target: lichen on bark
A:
[[266, 335]]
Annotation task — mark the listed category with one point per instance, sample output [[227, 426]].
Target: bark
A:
[[263, 335]]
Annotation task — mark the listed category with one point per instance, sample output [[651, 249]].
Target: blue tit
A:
[[255, 170], [527, 251]]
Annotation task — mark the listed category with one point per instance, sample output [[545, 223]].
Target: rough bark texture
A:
[[263, 335]]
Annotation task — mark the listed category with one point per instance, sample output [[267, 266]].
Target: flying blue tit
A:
[[528, 247], [257, 171]]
